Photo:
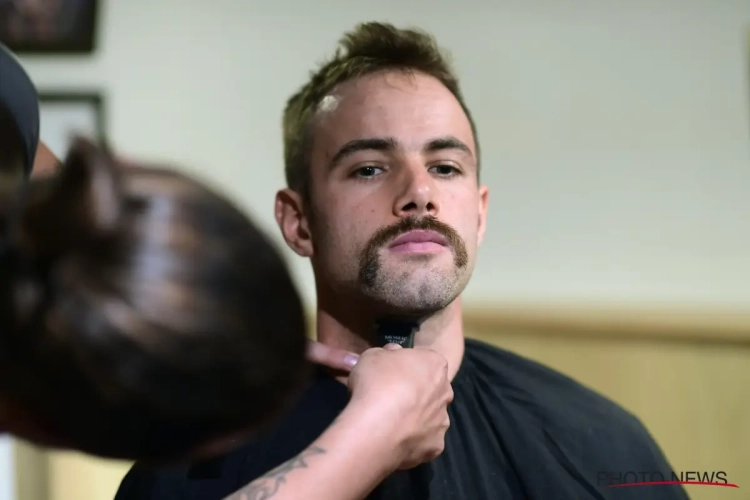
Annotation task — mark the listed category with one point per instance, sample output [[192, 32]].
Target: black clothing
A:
[[19, 104], [518, 430]]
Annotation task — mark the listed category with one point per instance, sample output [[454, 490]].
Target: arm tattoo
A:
[[267, 485]]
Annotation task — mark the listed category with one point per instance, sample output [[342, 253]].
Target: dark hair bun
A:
[[82, 203]]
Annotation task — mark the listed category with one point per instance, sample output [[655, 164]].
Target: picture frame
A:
[[65, 113], [49, 27]]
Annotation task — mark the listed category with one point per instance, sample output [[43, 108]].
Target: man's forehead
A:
[[328, 104], [374, 87], [380, 106]]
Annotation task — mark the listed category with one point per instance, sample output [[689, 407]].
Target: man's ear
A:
[[484, 194], [294, 222]]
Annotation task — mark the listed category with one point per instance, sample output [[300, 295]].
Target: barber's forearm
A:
[[346, 463]]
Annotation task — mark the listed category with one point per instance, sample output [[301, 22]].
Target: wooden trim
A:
[[680, 323]]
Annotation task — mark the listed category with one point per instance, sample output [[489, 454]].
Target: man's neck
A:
[[442, 332]]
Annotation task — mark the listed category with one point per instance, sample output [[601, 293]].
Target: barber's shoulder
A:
[[308, 415], [311, 413]]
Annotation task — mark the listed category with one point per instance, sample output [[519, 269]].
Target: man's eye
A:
[[369, 171], [444, 170]]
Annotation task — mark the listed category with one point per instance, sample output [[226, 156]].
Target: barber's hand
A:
[[330, 357], [410, 390]]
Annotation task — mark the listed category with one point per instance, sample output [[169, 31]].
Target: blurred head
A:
[[143, 315], [382, 166]]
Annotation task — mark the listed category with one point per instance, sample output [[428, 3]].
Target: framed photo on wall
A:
[[64, 114], [49, 26]]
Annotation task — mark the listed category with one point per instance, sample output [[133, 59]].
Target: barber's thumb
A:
[[331, 357], [392, 347]]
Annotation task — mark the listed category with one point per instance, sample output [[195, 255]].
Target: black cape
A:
[[518, 430]]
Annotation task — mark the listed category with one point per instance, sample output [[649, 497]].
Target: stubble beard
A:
[[413, 285], [415, 289]]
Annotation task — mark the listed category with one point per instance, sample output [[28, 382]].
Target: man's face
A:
[[396, 212]]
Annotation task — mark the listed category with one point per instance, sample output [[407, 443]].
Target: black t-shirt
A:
[[518, 430]]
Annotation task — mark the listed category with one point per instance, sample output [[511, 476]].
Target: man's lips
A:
[[419, 241]]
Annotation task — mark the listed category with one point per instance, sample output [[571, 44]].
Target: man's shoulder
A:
[[560, 404], [492, 362]]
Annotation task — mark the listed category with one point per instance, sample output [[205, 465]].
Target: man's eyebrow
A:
[[390, 144], [448, 142], [357, 145]]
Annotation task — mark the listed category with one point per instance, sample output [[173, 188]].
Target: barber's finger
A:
[[392, 347], [331, 357]]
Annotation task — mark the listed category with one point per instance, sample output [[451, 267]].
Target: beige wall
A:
[[685, 374]]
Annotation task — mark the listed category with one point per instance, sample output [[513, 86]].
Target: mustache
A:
[[427, 223], [369, 262]]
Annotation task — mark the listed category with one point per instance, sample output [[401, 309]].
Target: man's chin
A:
[[419, 267], [409, 302]]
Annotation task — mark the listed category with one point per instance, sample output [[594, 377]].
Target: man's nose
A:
[[417, 192]]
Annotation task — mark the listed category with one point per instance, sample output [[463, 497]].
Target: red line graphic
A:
[[654, 483]]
